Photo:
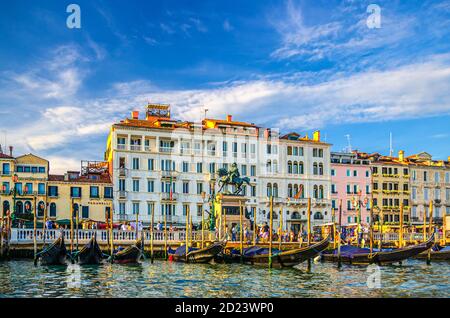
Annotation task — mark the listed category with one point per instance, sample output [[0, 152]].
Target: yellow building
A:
[[24, 183], [6, 172], [89, 194], [390, 186], [26, 187]]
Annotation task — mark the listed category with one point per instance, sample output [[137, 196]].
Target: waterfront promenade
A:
[[22, 239]]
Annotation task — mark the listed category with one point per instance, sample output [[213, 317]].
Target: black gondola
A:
[[203, 255], [438, 253], [362, 256], [90, 254], [54, 254], [256, 255], [129, 255]]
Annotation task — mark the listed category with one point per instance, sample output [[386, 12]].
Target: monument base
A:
[[228, 210]]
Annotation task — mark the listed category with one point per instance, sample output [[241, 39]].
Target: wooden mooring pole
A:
[[152, 227], [270, 231], [35, 232]]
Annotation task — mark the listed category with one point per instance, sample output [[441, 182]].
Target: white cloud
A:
[[344, 35], [293, 102], [60, 165]]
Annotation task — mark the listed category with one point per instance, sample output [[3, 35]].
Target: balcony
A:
[[169, 174], [6, 173], [123, 194], [300, 201], [166, 196], [135, 147], [123, 172], [121, 147], [166, 149], [186, 151]]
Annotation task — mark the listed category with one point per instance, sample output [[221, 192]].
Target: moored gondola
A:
[[203, 255], [54, 254], [363, 256], [90, 254], [436, 254], [129, 255], [288, 258]]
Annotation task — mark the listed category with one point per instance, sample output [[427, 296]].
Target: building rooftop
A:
[[104, 178]]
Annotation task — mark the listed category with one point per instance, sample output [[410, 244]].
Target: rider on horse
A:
[[233, 174]]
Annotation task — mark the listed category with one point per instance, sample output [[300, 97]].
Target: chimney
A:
[[316, 135], [229, 118], [135, 114], [11, 151], [401, 156]]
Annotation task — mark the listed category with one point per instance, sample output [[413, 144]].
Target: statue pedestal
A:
[[227, 207]]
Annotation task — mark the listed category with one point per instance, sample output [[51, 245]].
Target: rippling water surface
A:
[[166, 279]]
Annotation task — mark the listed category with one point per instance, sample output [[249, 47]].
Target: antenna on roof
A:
[[206, 111], [349, 144], [391, 150]]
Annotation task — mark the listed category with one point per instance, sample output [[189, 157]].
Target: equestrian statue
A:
[[231, 177]]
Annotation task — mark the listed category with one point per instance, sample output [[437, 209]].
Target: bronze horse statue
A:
[[226, 178]]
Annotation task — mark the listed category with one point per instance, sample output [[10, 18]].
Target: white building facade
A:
[[163, 166]]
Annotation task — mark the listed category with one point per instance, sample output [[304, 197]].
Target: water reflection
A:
[[166, 279]]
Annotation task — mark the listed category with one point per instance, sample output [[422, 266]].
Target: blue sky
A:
[[294, 65]]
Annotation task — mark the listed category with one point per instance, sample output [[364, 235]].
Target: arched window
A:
[[295, 167], [289, 167], [321, 192], [295, 216], [316, 192], [53, 209], [275, 166], [321, 169], [315, 168], [300, 167], [318, 216], [19, 207], [301, 188], [41, 208], [295, 189], [275, 190], [28, 207], [269, 166], [269, 189], [290, 190], [5, 207]]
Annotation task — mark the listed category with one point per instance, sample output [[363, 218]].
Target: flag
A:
[[300, 191]]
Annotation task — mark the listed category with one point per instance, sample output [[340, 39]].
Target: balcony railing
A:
[[167, 149], [5, 173], [123, 172], [166, 196], [168, 174], [123, 194], [135, 147], [121, 146]]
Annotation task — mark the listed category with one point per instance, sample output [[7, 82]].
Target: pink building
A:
[[350, 183]]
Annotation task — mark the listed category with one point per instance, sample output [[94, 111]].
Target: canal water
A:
[[166, 279]]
